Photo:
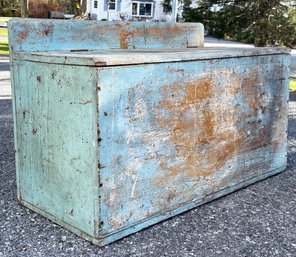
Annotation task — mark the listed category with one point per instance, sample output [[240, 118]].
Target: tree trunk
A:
[[83, 7], [24, 8]]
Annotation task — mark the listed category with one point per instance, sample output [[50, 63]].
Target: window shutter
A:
[[118, 5], [105, 5]]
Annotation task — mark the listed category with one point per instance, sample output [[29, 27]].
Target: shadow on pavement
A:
[[5, 107], [4, 66], [292, 96]]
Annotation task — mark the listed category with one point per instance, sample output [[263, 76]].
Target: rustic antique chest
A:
[[121, 125]]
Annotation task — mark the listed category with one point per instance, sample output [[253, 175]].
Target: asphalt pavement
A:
[[5, 87], [256, 221]]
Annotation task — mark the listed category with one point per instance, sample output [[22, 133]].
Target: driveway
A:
[[5, 89], [213, 42]]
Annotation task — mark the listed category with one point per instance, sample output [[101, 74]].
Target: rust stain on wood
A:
[[22, 36], [47, 29], [261, 104], [205, 136], [169, 32], [125, 36], [203, 141]]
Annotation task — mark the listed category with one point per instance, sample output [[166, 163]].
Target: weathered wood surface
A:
[[129, 57], [172, 134], [56, 141], [57, 35], [110, 142], [170, 137]]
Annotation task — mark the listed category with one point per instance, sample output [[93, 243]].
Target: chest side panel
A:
[[56, 138], [176, 133]]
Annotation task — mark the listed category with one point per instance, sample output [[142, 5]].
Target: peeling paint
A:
[[110, 142], [188, 134], [204, 142], [86, 101], [59, 35]]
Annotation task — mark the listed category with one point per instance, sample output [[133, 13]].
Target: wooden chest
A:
[[110, 141]]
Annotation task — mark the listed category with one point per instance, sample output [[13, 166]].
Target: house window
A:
[[143, 9], [95, 4], [111, 5]]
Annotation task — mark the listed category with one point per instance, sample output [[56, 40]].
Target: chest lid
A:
[[100, 58]]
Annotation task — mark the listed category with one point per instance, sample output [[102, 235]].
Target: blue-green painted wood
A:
[[57, 35], [129, 57], [175, 133], [56, 135], [110, 142], [171, 136]]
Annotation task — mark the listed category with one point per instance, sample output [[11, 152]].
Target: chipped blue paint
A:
[[57, 35], [109, 142], [129, 158], [56, 145]]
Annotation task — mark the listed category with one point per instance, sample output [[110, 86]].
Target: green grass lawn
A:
[[3, 32], [3, 20], [293, 85], [4, 48]]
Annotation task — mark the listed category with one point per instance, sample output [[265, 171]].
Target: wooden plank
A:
[[56, 136], [173, 134], [58, 35], [130, 57]]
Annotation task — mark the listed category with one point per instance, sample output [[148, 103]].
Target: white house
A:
[[129, 10]]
